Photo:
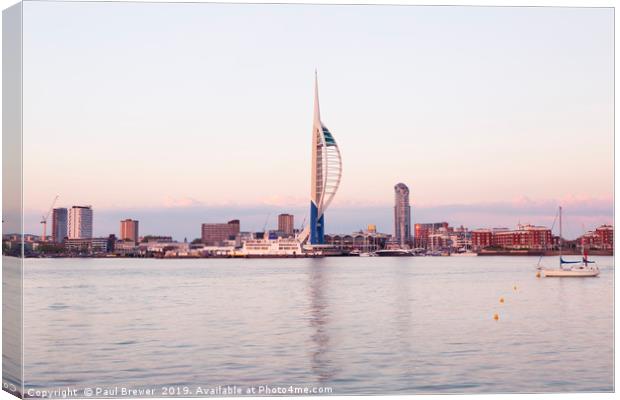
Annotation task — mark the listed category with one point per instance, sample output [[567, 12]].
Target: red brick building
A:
[[423, 231], [524, 237], [601, 238], [481, 238], [129, 230]]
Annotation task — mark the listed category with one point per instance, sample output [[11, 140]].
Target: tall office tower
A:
[[325, 174], [286, 224], [129, 230], [80, 222], [59, 224], [402, 215]]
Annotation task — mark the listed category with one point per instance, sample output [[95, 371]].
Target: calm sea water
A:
[[355, 325]]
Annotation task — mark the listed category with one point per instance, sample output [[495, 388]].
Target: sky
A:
[[178, 114]]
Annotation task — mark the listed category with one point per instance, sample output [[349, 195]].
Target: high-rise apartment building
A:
[[59, 224], [80, 222], [129, 230], [402, 215], [286, 224]]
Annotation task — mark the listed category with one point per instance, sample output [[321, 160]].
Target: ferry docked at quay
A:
[[294, 247]]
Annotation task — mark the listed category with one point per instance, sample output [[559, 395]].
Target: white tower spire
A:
[[325, 174]]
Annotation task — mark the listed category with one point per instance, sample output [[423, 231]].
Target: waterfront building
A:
[[461, 239], [59, 224], [448, 239], [201, 250], [605, 233], [80, 222], [602, 238], [181, 249], [481, 238], [364, 242], [525, 237], [129, 230], [126, 248], [15, 237], [14, 243], [286, 224], [155, 238], [112, 239], [402, 215], [215, 234], [325, 176], [161, 247], [422, 232], [88, 246], [440, 241]]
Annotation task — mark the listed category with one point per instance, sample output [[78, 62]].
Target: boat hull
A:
[[394, 253], [556, 273]]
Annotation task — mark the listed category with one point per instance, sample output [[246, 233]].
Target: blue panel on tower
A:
[[317, 225]]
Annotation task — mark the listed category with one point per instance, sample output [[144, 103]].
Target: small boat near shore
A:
[[394, 253], [578, 269]]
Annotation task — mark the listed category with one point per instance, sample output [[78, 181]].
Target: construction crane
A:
[[266, 221], [44, 219]]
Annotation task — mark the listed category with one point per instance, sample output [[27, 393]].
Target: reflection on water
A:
[[322, 368], [12, 361], [358, 325]]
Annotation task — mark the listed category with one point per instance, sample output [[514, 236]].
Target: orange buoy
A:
[[538, 274], [496, 316], [501, 300]]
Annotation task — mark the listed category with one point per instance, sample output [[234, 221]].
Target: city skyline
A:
[[185, 222], [179, 221], [520, 120]]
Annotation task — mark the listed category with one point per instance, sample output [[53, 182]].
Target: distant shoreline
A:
[[488, 253], [549, 253]]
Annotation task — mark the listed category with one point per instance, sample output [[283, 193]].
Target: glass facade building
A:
[[59, 224]]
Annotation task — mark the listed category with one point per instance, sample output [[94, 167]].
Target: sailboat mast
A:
[[560, 211]]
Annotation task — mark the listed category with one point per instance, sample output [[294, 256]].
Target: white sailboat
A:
[[576, 269]]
